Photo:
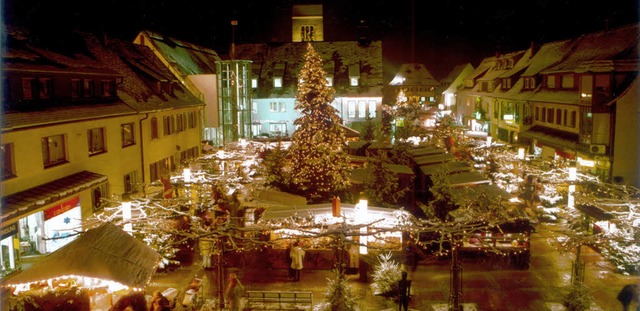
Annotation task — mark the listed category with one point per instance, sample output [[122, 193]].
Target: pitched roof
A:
[[184, 57], [611, 45], [106, 252], [414, 74], [343, 54]]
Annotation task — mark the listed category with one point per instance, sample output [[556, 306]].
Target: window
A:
[[108, 88], [130, 182], [76, 88], [188, 154], [572, 119], [167, 125], [506, 83], [277, 82], [551, 82], [163, 167], [154, 128], [254, 107], [354, 75], [277, 107], [54, 151], [306, 33], [559, 116], [549, 115], [277, 129], [351, 109], [567, 81], [8, 166], [192, 120], [362, 109], [180, 126], [88, 88], [278, 74], [96, 141], [128, 138], [45, 86], [329, 80], [372, 108], [529, 83], [254, 83], [28, 88]]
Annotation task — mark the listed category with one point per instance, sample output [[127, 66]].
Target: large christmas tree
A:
[[319, 164]]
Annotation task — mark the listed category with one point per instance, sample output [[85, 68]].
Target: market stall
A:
[[355, 229], [100, 265]]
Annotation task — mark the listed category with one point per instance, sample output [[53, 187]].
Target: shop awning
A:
[[447, 168], [425, 151], [106, 253], [25, 202], [322, 215], [553, 138], [467, 179], [594, 212]]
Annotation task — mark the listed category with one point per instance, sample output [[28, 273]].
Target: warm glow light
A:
[[126, 216], [586, 163], [521, 153], [571, 198], [489, 140], [572, 173], [186, 174]]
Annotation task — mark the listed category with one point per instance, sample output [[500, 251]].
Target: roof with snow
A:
[[82, 55], [340, 58], [605, 46], [414, 74], [184, 57]]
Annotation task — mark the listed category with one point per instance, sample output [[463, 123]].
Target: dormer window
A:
[[354, 75], [329, 80], [108, 88], [551, 82], [76, 88], [88, 88], [28, 88], [278, 75], [45, 87]]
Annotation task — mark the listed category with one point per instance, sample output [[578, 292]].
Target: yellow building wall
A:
[[29, 163]]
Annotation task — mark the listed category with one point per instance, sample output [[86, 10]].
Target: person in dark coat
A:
[[404, 292], [627, 294]]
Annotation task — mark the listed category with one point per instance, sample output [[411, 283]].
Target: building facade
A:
[[93, 119], [561, 100]]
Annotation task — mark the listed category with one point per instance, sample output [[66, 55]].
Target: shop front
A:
[[42, 219]]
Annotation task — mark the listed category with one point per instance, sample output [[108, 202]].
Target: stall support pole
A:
[[456, 279], [221, 273]]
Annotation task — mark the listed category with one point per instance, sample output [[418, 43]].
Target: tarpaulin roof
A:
[[106, 252]]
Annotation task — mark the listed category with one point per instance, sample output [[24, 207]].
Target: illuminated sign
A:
[[61, 209], [9, 230]]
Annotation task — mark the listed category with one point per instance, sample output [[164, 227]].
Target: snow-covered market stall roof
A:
[[322, 214], [105, 254]]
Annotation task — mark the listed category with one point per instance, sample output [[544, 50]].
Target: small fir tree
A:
[[319, 163], [338, 296], [386, 276], [384, 187], [274, 168], [368, 130]]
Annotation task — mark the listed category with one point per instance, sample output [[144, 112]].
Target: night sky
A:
[[447, 32]]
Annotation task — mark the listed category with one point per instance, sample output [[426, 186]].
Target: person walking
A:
[[233, 294], [297, 258], [627, 294], [404, 292]]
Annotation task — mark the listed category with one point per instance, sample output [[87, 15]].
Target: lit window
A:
[[54, 150], [128, 138], [362, 109], [372, 108], [354, 74], [254, 83], [277, 82], [329, 80], [96, 141], [352, 109], [353, 81]]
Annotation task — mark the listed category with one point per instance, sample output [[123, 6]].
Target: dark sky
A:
[[447, 32]]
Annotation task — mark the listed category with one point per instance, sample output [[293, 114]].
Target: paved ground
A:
[[486, 285]]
